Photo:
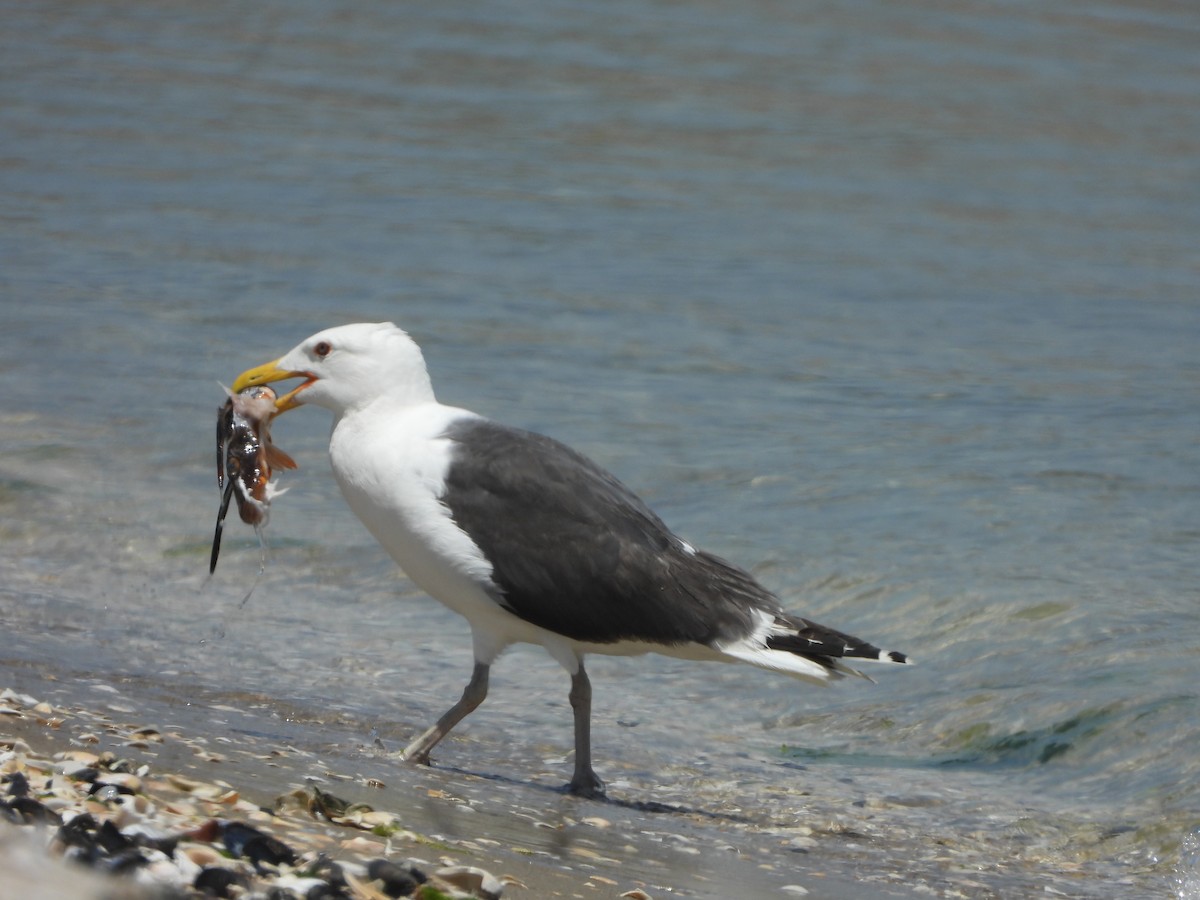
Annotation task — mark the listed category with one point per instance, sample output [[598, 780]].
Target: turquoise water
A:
[[894, 305]]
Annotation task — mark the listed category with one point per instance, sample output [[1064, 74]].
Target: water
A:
[[893, 304]]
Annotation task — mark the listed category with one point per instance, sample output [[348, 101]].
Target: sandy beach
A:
[[161, 780], [86, 748], [42, 739]]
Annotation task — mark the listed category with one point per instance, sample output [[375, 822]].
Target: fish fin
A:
[[277, 459]]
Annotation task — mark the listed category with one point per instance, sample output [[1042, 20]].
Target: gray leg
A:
[[472, 696], [585, 782]]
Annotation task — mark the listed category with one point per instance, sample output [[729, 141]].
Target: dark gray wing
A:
[[576, 552]]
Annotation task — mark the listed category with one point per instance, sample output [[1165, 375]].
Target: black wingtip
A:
[[894, 656]]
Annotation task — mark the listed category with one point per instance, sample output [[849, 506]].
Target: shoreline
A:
[[147, 780], [189, 786], [835, 834]]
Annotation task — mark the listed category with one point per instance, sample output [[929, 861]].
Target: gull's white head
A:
[[348, 367]]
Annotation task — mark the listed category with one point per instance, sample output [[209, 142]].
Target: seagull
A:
[[529, 540]]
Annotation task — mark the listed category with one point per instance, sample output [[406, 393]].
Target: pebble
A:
[[157, 833]]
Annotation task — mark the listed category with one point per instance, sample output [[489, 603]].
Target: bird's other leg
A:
[[472, 696], [585, 782]]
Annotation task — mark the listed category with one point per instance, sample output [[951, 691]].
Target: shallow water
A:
[[895, 306]]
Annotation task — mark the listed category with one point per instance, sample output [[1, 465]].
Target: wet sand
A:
[[538, 842]]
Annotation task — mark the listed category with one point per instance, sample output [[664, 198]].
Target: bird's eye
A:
[[322, 349]]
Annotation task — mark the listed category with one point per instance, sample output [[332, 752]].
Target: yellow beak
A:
[[269, 373]]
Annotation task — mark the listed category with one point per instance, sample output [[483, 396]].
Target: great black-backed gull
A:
[[528, 539]]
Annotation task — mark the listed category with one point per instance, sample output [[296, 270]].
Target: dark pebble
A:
[[78, 832], [18, 784], [260, 848], [100, 845], [267, 850], [32, 812], [165, 845], [235, 836], [331, 872], [110, 839], [124, 862], [218, 882], [397, 880], [10, 815], [101, 785]]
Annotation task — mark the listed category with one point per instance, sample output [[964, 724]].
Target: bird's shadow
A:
[[644, 806]]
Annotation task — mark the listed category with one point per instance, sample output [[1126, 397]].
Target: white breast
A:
[[391, 466]]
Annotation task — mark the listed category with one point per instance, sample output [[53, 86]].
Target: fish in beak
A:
[[269, 373], [246, 459]]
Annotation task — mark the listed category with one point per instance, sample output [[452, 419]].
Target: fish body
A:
[[246, 459]]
